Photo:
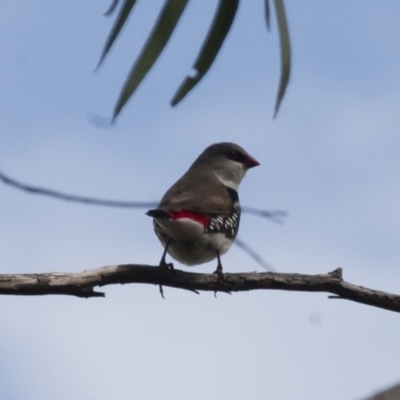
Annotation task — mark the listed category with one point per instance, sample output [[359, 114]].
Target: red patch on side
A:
[[198, 217]]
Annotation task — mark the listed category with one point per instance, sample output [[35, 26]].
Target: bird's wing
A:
[[198, 191]]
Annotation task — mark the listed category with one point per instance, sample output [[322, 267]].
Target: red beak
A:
[[251, 162]]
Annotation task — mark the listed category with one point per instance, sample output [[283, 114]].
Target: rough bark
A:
[[83, 284]]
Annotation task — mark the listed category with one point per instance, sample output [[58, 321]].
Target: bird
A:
[[197, 219]]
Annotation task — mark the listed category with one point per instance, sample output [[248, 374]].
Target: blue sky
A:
[[331, 159]]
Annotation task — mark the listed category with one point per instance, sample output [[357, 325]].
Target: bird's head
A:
[[227, 161]]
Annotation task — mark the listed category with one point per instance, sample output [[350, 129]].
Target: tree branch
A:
[[82, 284]]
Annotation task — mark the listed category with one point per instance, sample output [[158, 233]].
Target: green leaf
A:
[[285, 52], [116, 29], [220, 26], [155, 44]]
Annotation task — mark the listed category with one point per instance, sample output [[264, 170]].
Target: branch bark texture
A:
[[83, 284]]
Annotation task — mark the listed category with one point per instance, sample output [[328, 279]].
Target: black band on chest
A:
[[233, 194]]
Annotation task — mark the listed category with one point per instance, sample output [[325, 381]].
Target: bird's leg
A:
[[164, 264], [218, 271]]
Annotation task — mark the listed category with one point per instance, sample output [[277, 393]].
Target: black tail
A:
[[157, 214]]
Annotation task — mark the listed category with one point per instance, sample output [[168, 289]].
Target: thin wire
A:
[[255, 256]]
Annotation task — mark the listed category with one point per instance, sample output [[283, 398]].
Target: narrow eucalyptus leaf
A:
[[220, 26], [267, 14], [116, 29], [163, 28], [285, 52], [112, 7]]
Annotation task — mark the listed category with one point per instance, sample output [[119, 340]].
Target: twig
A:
[[254, 255], [275, 215], [76, 199]]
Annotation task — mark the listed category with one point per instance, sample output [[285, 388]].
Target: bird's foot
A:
[[165, 267], [219, 272], [168, 266], [221, 278]]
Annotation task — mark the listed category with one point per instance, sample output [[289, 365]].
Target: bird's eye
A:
[[236, 156]]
